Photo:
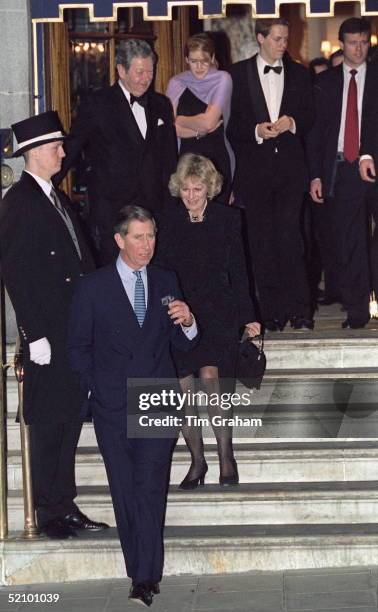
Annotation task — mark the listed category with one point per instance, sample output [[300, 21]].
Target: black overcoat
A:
[[40, 265]]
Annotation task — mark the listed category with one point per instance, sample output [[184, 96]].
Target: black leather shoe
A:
[[57, 529], [78, 520], [274, 324], [141, 593], [351, 323], [192, 483], [299, 323], [231, 479]]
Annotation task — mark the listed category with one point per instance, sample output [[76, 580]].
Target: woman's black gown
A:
[[209, 261], [212, 145]]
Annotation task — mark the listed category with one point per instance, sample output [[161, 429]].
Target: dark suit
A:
[[40, 264], [369, 146], [125, 168], [270, 179], [342, 218], [106, 347]]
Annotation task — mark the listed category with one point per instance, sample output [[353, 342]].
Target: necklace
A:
[[200, 217]]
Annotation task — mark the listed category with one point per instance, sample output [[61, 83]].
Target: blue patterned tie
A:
[[139, 298]]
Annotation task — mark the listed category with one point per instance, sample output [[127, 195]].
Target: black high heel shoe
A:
[[233, 479], [192, 483]]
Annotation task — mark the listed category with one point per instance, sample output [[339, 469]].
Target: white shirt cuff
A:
[[191, 331], [293, 129], [259, 140], [365, 157]]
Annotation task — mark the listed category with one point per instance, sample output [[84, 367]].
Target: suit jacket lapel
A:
[[124, 311], [286, 89], [124, 116], [371, 88], [150, 118], [256, 92], [338, 92], [50, 210]]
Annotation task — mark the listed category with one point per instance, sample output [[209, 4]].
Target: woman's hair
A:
[[198, 167], [199, 42]]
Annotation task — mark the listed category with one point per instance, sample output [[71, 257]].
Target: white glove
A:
[[40, 351]]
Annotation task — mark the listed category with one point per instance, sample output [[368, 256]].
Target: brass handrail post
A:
[[3, 428], [30, 525]]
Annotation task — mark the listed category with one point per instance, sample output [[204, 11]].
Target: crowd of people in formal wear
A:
[[209, 183]]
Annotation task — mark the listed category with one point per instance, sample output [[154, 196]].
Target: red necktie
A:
[[351, 134]]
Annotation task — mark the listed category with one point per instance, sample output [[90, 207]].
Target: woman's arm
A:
[[203, 122]]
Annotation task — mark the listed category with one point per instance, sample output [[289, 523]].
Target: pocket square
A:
[[160, 122]]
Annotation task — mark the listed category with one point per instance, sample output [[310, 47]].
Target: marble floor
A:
[[341, 590]]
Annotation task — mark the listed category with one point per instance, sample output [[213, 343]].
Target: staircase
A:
[[309, 492]]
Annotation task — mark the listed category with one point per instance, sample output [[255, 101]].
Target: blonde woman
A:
[[200, 239]]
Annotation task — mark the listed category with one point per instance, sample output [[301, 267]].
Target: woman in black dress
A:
[[201, 240], [201, 98]]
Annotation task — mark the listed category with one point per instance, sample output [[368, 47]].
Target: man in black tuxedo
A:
[[128, 134], [130, 335], [271, 110], [42, 253], [343, 96]]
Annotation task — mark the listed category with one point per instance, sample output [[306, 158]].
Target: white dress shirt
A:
[[360, 80], [129, 279], [137, 110], [273, 86], [46, 186]]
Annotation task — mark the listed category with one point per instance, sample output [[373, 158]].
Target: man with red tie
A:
[[342, 97]]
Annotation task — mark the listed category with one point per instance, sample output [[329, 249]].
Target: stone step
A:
[[257, 463], [300, 404], [325, 350], [248, 504], [194, 550]]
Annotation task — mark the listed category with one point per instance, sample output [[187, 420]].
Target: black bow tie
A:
[[276, 69], [142, 100]]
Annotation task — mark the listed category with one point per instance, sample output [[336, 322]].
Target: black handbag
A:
[[251, 362]]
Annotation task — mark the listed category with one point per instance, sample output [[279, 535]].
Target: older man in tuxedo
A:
[[42, 253], [129, 334], [271, 110], [128, 135]]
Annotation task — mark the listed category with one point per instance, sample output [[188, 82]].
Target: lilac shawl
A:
[[215, 88]]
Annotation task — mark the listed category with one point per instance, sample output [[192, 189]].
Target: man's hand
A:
[[40, 351], [267, 130], [316, 191], [367, 170], [283, 124], [180, 313], [253, 329]]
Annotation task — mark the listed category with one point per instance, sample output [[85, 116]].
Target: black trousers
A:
[[372, 200], [53, 448], [276, 248], [343, 226], [138, 475]]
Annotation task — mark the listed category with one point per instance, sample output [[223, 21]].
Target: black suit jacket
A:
[[369, 128], [40, 264], [322, 141], [256, 164], [107, 346], [125, 168]]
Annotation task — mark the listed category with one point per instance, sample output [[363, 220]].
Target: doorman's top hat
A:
[[36, 131]]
